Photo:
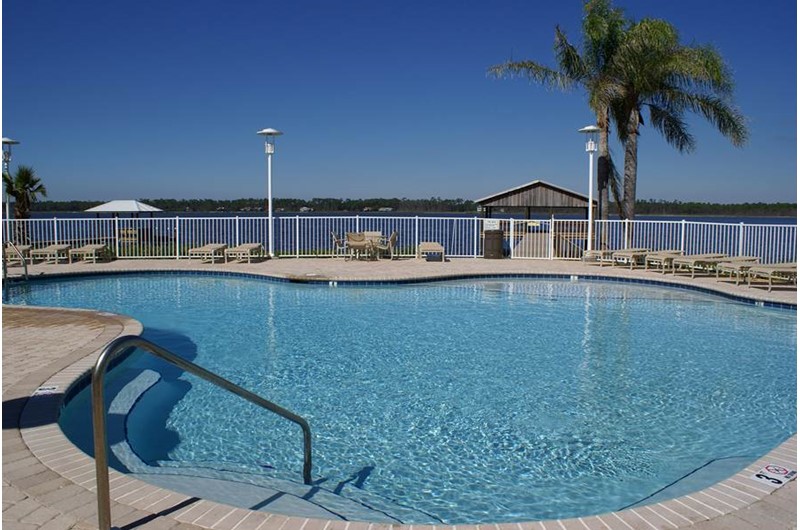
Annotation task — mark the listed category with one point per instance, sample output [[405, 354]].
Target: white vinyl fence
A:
[[304, 236]]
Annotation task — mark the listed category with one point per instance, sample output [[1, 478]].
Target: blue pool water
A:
[[469, 401]]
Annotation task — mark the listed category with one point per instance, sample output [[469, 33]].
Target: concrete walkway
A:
[[48, 483]]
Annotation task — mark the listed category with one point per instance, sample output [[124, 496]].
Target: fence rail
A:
[[301, 236]]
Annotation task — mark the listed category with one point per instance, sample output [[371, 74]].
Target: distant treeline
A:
[[432, 205], [747, 209]]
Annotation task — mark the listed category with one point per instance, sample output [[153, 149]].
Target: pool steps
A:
[[238, 487]]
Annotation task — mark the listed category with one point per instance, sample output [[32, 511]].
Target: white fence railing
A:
[[302, 236]]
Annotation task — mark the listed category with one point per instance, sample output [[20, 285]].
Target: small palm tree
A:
[[603, 30], [654, 72], [26, 188]]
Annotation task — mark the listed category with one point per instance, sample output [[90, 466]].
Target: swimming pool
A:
[[490, 400]]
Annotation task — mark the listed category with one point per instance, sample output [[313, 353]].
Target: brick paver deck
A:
[[49, 484]]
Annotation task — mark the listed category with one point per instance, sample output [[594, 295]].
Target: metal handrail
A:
[[21, 258], [127, 342]]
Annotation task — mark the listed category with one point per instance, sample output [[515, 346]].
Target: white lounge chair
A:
[[735, 267], [663, 258], [702, 262], [630, 255], [13, 256], [245, 251], [51, 253], [783, 272], [90, 252], [209, 252]]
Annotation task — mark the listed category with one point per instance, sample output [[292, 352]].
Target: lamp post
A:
[[591, 147], [7, 143], [269, 148]]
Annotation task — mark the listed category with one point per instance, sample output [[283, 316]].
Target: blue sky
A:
[[124, 99]]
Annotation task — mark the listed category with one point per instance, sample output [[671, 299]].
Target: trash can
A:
[[493, 244]]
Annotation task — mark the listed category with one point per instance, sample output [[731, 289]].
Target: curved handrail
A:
[[126, 342], [21, 258]]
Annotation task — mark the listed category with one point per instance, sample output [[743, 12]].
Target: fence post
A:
[[358, 223], [116, 236], [476, 238], [551, 239], [55, 231], [683, 236], [297, 236], [416, 233], [511, 238], [177, 237], [237, 231], [741, 239]]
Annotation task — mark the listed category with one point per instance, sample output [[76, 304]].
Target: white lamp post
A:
[[591, 147], [7, 143], [269, 148]]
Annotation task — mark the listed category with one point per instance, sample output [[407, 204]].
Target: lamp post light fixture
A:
[[7, 143], [269, 148], [591, 132]]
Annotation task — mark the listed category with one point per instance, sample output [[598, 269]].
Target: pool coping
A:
[[135, 500]]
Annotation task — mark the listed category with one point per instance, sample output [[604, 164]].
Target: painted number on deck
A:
[[774, 475]]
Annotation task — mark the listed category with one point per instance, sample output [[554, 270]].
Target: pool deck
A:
[[49, 484]]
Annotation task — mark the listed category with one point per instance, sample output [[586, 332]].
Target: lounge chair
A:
[[339, 244], [358, 244], [51, 253], [630, 255], [386, 245], [784, 272], [663, 258], [208, 252], [245, 251], [430, 247], [90, 252], [735, 267], [597, 256], [695, 262], [13, 256]]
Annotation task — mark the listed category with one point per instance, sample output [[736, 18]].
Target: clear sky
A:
[[162, 99]]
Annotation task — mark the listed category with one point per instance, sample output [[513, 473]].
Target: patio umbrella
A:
[[124, 206]]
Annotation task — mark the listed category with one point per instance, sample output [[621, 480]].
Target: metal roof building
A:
[[538, 196]]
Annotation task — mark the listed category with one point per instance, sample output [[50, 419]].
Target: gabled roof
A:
[[124, 206], [534, 184]]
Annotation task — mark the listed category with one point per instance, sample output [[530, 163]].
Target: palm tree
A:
[[26, 188], [654, 71], [603, 30]]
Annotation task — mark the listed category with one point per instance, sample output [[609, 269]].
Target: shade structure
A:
[[124, 206]]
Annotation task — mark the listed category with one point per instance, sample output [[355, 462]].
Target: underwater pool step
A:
[[277, 495], [239, 487]]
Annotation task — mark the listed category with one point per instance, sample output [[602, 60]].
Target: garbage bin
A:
[[493, 244]]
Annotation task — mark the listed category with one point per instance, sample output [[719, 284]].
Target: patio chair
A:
[[91, 252], [245, 251], [695, 262], [358, 244], [51, 253], [784, 272], [339, 245], [209, 252], [386, 245], [630, 255]]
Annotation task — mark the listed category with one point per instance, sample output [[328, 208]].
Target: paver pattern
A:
[[49, 484]]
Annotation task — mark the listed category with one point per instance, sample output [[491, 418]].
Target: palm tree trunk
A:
[[631, 155], [603, 169]]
